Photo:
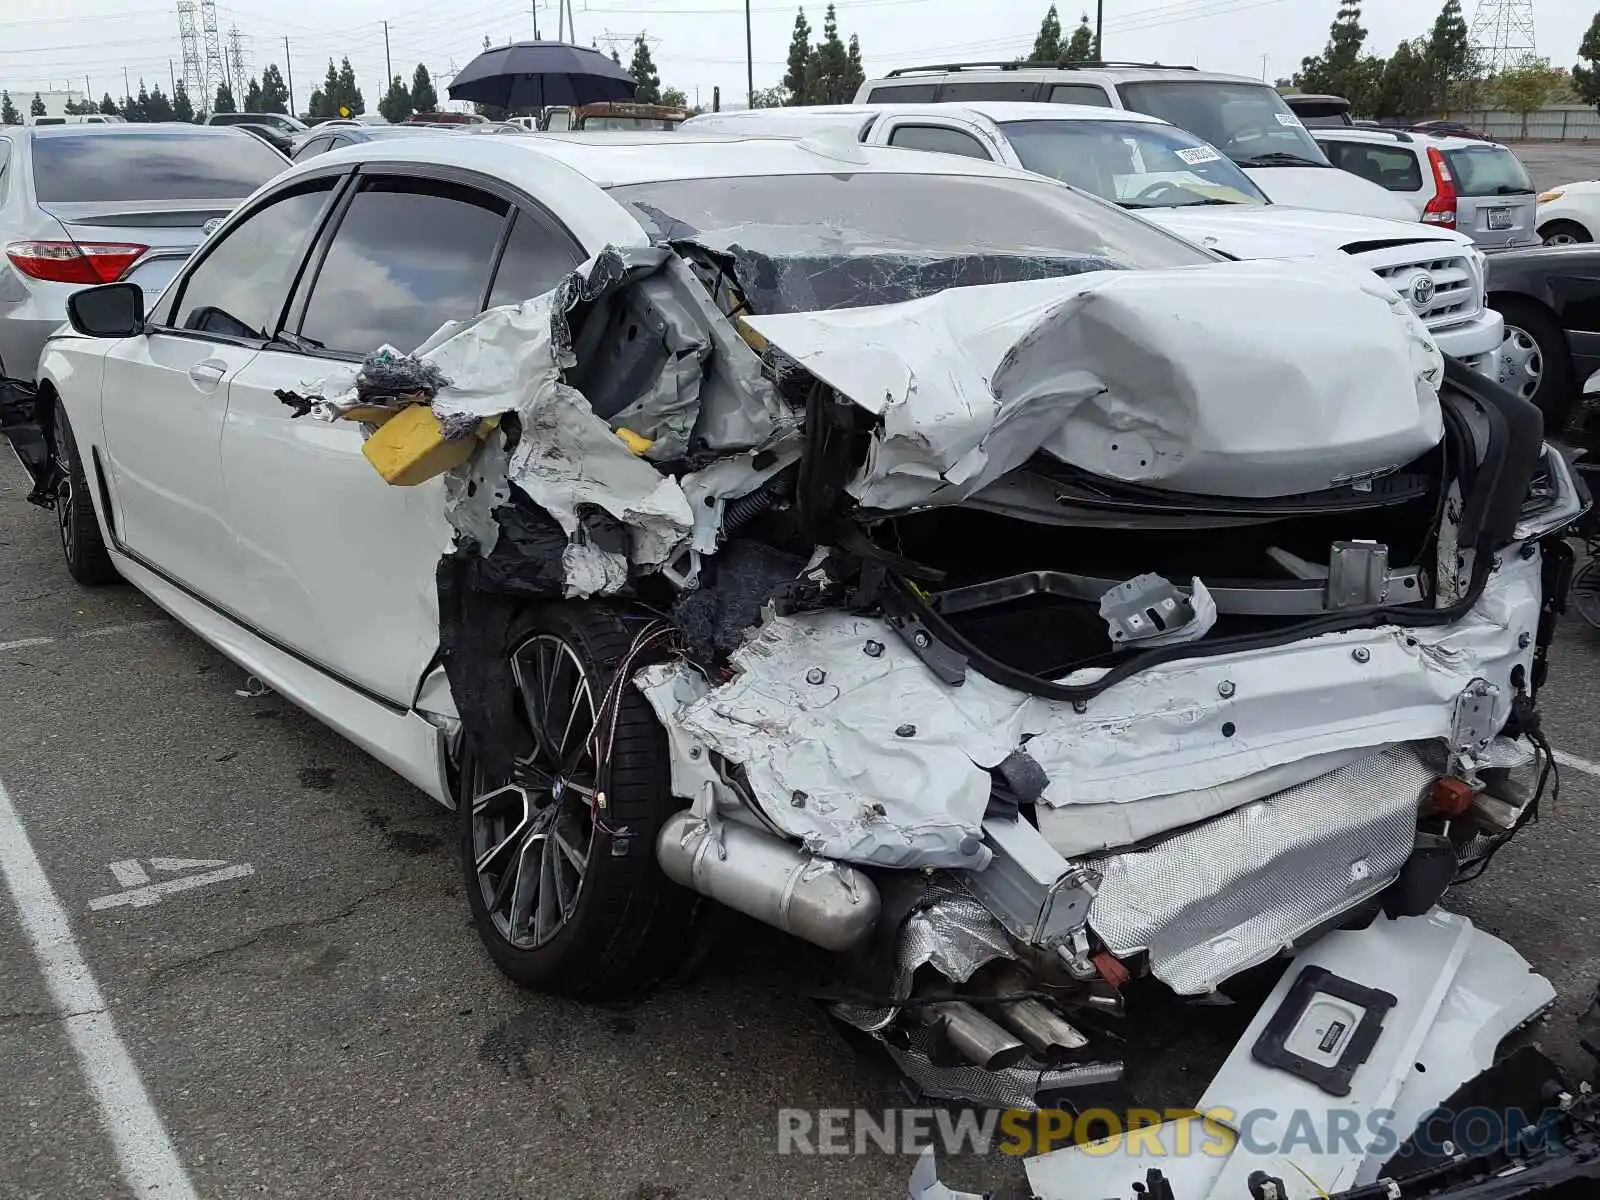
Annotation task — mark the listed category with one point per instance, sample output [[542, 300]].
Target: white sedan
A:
[[1570, 214], [793, 545]]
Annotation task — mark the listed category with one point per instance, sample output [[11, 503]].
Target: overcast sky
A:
[[697, 44]]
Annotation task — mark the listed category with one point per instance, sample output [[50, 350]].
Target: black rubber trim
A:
[[1516, 444], [1271, 1048], [361, 690]]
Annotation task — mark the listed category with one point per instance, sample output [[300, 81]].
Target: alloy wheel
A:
[[1561, 239], [1520, 364], [532, 835], [64, 509]]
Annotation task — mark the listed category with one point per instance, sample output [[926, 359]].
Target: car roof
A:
[[1392, 137], [622, 158], [1115, 74], [998, 111], [131, 129]]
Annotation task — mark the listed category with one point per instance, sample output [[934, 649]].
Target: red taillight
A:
[[1441, 210], [74, 262]]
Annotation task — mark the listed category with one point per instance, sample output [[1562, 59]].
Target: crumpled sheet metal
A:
[[1010, 1087], [1154, 736], [1219, 898], [19, 426], [1201, 381]]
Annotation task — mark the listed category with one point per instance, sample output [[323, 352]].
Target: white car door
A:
[[165, 396], [338, 565]]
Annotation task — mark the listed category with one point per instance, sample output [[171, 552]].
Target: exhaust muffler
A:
[[1038, 1025], [978, 1039], [827, 903]]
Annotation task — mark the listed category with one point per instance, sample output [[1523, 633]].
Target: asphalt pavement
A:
[[324, 1023]]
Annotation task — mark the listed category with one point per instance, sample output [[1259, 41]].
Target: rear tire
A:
[[1564, 233], [1535, 362], [81, 544], [589, 912]]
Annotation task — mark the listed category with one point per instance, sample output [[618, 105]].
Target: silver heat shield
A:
[[1228, 894]]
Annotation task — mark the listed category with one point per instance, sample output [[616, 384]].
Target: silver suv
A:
[[1244, 118]]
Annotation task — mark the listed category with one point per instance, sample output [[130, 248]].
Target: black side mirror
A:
[[112, 310]]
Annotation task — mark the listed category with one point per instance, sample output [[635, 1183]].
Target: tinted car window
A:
[[1392, 167], [939, 139], [409, 255], [1136, 164], [239, 287], [312, 148], [72, 166], [1243, 120], [1079, 93], [902, 93], [535, 260], [996, 89], [1488, 171]]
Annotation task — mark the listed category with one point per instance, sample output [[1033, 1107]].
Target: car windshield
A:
[[1488, 170], [71, 167], [1248, 122], [600, 124], [1135, 164], [800, 243]]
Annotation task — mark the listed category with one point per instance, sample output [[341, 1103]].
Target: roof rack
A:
[[1399, 135], [1091, 64]]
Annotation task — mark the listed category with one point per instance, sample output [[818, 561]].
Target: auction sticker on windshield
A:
[[1195, 155], [1289, 119]]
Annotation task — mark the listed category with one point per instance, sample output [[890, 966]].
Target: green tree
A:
[[396, 103], [274, 95], [224, 102], [1586, 80], [1526, 89], [1047, 46], [158, 107], [327, 97], [8, 111], [37, 107], [349, 93], [252, 96], [794, 79], [643, 70], [182, 106], [317, 105], [108, 106], [675, 97], [423, 97], [1407, 86], [772, 97], [1080, 46], [1343, 68], [828, 72], [138, 107], [1450, 55], [854, 73]]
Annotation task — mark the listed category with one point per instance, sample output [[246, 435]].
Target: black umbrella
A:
[[534, 74]]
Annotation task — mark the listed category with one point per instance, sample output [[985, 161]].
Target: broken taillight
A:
[[74, 262], [1441, 210]]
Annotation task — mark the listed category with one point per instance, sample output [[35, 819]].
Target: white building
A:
[[55, 103]]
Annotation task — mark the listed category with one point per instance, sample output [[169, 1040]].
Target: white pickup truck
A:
[[1180, 182]]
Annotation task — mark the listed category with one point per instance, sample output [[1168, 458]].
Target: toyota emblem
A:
[[210, 227], [1422, 290]]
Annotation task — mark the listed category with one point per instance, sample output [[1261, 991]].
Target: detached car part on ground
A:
[[1046, 626]]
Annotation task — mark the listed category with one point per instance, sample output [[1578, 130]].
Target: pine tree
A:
[[423, 97], [252, 96], [158, 107], [794, 79], [8, 111], [830, 65], [328, 94], [1586, 80], [349, 93], [1342, 68], [643, 70], [224, 102], [1047, 46], [1080, 46], [396, 103], [274, 95], [37, 107], [318, 104], [674, 97], [854, 73], [108, 106], [182, 107]]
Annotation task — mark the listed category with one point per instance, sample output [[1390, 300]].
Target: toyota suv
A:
[[1244, 118], [1174, 179]]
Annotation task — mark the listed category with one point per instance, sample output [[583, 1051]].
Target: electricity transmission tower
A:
[[1502, 32], [237, 63], [216, 71], [194, 74]]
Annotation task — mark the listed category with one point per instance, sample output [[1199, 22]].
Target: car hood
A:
[[1282, 231], [1330, 189]]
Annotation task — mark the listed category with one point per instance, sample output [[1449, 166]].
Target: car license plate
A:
[[1500, 218]]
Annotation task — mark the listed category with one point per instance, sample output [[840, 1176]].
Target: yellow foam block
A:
[[410, 447], [636, 442]]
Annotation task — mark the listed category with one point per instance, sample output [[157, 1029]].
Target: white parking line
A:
[[149, 1163], [105, 631], [1578, 764]]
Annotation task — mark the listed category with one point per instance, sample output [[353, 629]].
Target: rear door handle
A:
[[208, 373]]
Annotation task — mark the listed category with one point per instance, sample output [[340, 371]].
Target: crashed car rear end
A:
[[1007, 625]]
